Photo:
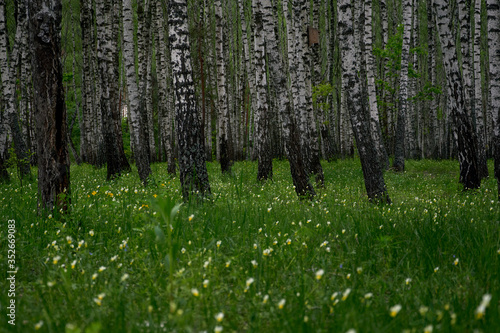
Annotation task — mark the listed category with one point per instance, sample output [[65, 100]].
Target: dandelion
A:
[[254, 263], [94, 192], [102, 269], [319, 274], [408, 281], [195, 292], [346, 294], [219, 317], [124, 277], [455, 262], [191, 217], [249, 282], [481, 309], [38, 325], [205, 283], [56, 259], [393, 311], [218, 329], [91, 233], [281, 304], [428, 329], [219, 243]]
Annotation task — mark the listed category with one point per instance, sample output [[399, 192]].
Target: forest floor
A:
[[255, 258]]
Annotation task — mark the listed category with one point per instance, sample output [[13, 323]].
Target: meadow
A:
[[253, 257]]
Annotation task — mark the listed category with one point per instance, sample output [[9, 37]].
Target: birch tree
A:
[[477, 104], [8, 78], [262, 110], [493, 10], [165, 93], [135, 106], [49, 105], [223, 129], [351, 88], [399, 148], [372, 93], [462, 132], [277, 71], [192, 167]]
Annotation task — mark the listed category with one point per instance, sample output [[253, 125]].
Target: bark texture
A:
[[135, 106], [351, 88], [463, 133], [49, 105], [192, 167]]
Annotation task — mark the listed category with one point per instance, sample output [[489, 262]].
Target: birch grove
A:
[[267, 80]]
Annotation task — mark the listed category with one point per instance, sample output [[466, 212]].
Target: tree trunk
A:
[[8, 79], [399, 148], [374, 178], [278, 74], [135, 105], [493, 10], [463, 132], [262, 109], [192, 167], [372, 93], [223, 121], [478, 94], [106, 74], [49, 106], [165, 104]]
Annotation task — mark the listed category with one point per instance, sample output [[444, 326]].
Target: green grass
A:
[[154, 263]]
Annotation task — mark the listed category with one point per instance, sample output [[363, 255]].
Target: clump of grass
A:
[[253, 257]]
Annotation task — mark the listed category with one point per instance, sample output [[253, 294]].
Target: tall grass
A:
[[254, 258]]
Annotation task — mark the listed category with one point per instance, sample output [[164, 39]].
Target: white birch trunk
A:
[[139, 146]]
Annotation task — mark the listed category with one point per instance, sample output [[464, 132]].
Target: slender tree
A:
[[262, 110], [493, 10], [372, 93], [192, 167], [477, 105], [49, 106], [351, 88], [277, 71], [8, 78], [462, 132], [135, 106], [399, 147], [224, 129]]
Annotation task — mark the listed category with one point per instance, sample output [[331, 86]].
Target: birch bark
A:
[[374, 179], [399, 147], [192, 167], [135, 106], [463, 132]]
